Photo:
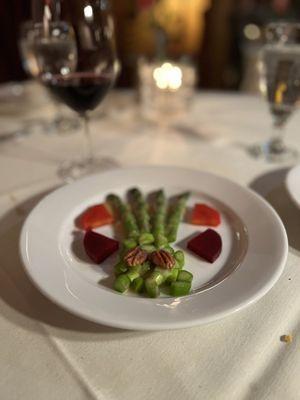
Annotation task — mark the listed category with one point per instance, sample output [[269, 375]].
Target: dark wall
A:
[[12, 12], [221, 50]]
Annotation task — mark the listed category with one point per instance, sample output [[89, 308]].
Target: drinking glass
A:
[[280, 83], [76, 61], [32, 41]]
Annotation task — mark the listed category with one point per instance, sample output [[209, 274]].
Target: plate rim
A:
[[156, 326]]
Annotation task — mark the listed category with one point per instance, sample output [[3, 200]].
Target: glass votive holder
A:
[[166, 89]]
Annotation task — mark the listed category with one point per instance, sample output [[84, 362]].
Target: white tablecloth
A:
[[46, 353]]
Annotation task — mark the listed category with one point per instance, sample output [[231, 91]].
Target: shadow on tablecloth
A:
[[18, 293], [271, 186]]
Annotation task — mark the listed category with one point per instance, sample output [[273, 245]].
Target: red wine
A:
[[81, 92]]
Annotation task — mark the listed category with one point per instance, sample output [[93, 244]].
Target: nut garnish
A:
[[163, 259], [135, 257], [286, 339]]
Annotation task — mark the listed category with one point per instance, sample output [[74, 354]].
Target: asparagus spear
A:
[[128, 219], [176, 217], [141, 210], [158, 223]]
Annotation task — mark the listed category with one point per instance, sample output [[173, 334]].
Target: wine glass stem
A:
[[89, 153]]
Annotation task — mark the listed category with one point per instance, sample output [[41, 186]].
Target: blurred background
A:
[[221, 37]]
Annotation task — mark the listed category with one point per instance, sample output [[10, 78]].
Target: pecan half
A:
[[135, 257], [163, 259]]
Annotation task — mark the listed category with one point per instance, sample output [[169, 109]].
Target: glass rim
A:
[[33, 24]]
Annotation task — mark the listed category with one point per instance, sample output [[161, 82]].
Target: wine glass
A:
[[280, 83], [77, 62], [33, 41]]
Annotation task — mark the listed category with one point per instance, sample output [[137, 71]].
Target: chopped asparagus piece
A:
[[156, 276], [173, 276], [137, 285], [129, 244], [141, 269], [148, 247], [185, 276], [178, 289], [152, 288], [179, 257], [161, 241], [146, 238], [169, 249], [122, 283], [132, 275], [120, 268], [165, 273]]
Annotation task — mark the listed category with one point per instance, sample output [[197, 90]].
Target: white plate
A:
[[293, 184], [253, 257]]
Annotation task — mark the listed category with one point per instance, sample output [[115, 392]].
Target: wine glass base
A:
[[274, 154], [73, 170]]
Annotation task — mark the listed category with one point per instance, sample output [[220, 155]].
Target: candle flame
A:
[[168, 76]]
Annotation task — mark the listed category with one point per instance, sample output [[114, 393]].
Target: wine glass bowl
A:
[[50, 50]]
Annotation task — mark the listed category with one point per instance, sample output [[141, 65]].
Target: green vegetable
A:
[[176, 217], [152, 288], [141, 210], [185, 276], [156, 276], [178, 289], [180, 258], [128, 219], [177, 265], [132, 275], [122, 283], [120, 268], [163, 274], [147, 277], [161, 241], [146, 238], [141, 269], [148, 247], [159, 218], [129, 244], [173, 275], [138, 285], [169, 249]]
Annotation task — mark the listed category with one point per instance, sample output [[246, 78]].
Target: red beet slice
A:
[[99, 247], [207, 245]]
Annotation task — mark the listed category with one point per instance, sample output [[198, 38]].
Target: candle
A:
[[46, 19]]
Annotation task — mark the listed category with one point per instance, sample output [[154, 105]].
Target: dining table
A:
[[48, 353]]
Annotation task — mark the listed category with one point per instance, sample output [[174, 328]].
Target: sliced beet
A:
[[207, 245], [98, 247]]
